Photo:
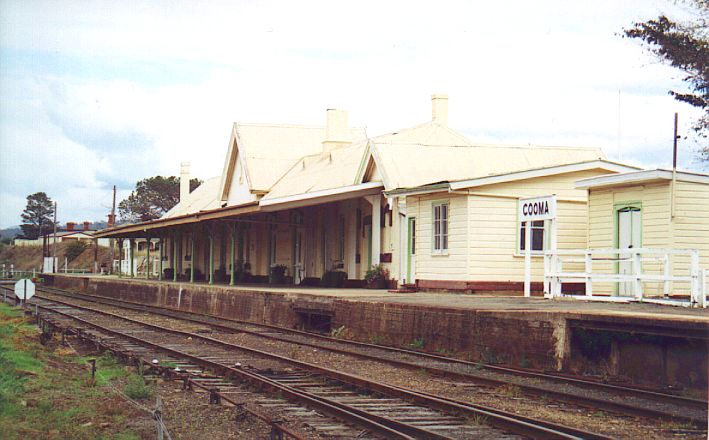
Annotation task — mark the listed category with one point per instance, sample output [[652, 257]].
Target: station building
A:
[[655, 209], [426, 203]]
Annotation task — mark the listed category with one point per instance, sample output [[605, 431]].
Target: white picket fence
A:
[[634, 281]]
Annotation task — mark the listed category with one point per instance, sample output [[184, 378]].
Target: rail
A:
[[630, 278]]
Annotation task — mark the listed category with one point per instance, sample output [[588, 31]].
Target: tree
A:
[[683, 45], [152, 198], [37, 216]]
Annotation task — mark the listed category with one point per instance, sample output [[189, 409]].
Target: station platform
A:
[[644, 343]]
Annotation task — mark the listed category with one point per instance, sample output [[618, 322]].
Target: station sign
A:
[[537, 208]]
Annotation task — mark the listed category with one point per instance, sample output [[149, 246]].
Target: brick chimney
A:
[[336, 130], [86, 226], [184, 180], [70, 226], [439, 109]]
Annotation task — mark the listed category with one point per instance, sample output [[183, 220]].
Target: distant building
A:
[[69, 234]]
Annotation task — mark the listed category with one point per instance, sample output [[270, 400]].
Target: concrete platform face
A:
[[642, 343]]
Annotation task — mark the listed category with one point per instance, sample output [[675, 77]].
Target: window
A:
[[537, 236], [440, 228]]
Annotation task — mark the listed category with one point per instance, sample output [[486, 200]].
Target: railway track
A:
[[378, 410], [590, 394]]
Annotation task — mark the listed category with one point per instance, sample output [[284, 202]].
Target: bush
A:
[[333, 278], [136, 387], [377, 277], [74, 249]]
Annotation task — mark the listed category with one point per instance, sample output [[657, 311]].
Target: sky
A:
[[101, 93]]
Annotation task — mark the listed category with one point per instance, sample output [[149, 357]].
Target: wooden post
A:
[[131, 243], [233, 243], [160, 243], [192, 258], [174, 257], [120, 258], [211, 257], [147, 259]]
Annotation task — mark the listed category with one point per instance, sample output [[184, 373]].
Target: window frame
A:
[[444, 237], [545, 237]]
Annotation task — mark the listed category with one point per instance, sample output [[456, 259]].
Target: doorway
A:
[[411, 252], [629, 237]]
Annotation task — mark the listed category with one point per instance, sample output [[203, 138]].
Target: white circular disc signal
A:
[[24, 289]]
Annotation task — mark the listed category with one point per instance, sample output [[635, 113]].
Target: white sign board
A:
[[537, 208], [24, 289]]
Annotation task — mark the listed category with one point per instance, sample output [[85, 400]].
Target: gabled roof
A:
[[203, 198], [431, 153], [514, 176], [322, 171], [267, 151], [641, 177]]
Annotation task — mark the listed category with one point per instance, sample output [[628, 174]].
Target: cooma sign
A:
[[537, 208]]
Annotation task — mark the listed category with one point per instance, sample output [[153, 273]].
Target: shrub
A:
[[377, 277], [74, 249], [136, 387], [333, 278]]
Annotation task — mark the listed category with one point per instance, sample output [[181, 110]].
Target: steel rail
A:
[[582, 400], [498, 418], [244, 375]]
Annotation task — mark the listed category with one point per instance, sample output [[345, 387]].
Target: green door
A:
[[411, 252]]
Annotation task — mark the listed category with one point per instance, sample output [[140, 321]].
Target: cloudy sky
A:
[[95, 93]]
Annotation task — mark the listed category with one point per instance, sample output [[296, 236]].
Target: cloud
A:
[[102, 93]]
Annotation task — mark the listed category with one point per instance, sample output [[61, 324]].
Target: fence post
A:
[[668, 272], [589, 270], [694, 274], [703, 290], [158, 417], [637, 273], [546, 274]]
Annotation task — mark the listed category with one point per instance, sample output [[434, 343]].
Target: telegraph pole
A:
[[112, 223]]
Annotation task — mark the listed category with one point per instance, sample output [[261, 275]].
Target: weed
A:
[[337, 332], [417, 344], [524, 362], [598, 414], [136, 387], [377, 339], [478, 419], [422, 372], [509, 390]]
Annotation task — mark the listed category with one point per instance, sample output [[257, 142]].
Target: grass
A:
[[136, 388], [49, 395], [417, 344]]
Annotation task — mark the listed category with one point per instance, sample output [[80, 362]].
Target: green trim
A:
[[616, 208], [432, 187], [441, 251]]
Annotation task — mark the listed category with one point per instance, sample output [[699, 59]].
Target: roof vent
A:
[[439, 109]]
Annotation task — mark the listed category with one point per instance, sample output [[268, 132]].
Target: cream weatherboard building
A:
[[648, 209], [426, 203]]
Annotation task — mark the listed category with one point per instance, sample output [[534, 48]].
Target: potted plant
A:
[[277, 275], [333, 278], [377, 277]]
